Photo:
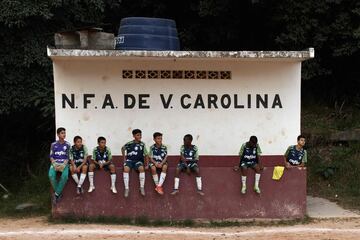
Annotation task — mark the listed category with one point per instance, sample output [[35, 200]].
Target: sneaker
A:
[[142, 191], [113, 189], [78, 190], [126, 193], [53, 199], [57, 197], [159, 190], [257, 190], [176, 191], [91, 188], [201, 193], [243, 190]]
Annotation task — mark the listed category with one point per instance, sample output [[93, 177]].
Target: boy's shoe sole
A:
[[91, 189], [126, 193], [243, 191], [174, 192], [142, 191], [257, 190], [113, 189], [201, 193], [159, 190]]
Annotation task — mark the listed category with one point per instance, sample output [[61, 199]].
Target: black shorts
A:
[[249, 164], [77, 164], [106, 167], [191, 165], [133, 164], [151, 164]]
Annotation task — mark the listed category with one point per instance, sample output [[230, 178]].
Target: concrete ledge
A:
[[284, 199], [232, 55]]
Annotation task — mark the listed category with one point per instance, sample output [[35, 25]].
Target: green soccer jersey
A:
[[135, 151], [102, 155], [294, 156], [190, 153]]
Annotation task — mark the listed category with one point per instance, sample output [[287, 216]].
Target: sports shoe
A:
[[113, 189], [78, 190], [201, 193], [243, 190], [53, 199], [57, 198], [159, 190], [174, 192], [91, 188], [126, 192], [257, 190], [142, 191]]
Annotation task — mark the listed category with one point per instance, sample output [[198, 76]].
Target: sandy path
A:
[[39, 228]]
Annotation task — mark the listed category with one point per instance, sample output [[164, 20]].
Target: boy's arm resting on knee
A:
[[164, 160]]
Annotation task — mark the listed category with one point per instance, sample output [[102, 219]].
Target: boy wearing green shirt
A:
[[250, 158], [296, 155], [102, 159]]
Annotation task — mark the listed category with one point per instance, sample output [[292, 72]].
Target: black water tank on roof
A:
[[140, 33]]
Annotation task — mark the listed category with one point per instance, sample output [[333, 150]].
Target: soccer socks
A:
[[82, 179], [199, 183], [243, 180], [75, 177], [113, 180], [176, 184], [156, 179], [142, 179], [243, 187], [126, 180], [91, 178], [257, 179], [162, 178]]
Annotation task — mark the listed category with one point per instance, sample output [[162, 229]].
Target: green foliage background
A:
[[27, 27]]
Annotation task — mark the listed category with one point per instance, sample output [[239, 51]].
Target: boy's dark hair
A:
[[253, 139], [136, 131], [300, 136], [60, 129], [77, 138], [188, 136], [157, 134], [100, 139]]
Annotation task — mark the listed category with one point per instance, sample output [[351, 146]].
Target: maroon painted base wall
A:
[[278, 199]]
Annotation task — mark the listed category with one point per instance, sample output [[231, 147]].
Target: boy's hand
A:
[[236, 168], [287, 165]]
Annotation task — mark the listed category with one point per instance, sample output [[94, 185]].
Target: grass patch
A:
[[333, 169], [264, 223], [35, 191]]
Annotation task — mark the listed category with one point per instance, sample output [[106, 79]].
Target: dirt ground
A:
[[40, 228]]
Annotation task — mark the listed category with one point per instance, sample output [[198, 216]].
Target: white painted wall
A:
[[215, 131]]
